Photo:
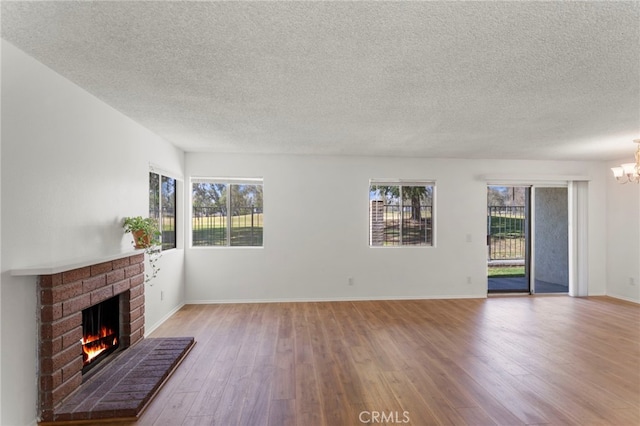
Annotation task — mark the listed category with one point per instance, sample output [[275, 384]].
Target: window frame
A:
[[400, 183], [228, 182], [160, 208]]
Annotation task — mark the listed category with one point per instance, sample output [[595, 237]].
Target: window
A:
[[401, 213], [162, 207], [227, 212]]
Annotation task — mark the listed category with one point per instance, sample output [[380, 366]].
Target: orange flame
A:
[[92, 350]]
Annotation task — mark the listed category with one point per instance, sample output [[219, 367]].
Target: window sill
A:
[[226, 247], [401, 247]]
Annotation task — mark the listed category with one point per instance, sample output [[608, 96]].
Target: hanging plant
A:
[[145, 231], [146, 235]]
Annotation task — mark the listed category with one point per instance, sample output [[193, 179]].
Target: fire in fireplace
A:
[[100, 332]]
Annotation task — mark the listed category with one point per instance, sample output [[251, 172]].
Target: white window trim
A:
[[226, 181]]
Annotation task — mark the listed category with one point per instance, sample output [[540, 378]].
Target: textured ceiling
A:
[[529, 80]]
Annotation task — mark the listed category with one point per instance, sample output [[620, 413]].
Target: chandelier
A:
[[629, 172]]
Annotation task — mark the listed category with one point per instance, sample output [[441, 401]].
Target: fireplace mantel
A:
[[68, 265]]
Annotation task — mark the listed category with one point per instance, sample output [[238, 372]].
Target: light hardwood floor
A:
[[500, 361]]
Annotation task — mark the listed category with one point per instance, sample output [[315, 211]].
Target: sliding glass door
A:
[[528, 239]]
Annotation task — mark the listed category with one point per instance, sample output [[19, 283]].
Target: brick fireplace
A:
[[62, 297]]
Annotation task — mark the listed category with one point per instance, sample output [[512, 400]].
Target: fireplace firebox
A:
[[100, 332]]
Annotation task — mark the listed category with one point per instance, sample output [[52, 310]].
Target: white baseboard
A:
[[149, 330], [328, 299], [626, 299]]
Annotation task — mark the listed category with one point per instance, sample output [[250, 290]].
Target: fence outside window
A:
[[210, 226], [167, 224], [394, 225], [506, 229]]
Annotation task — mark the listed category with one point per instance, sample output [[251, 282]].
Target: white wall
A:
[[72, 168], [623, 245], [316, 230]]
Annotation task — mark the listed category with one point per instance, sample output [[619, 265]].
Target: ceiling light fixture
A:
[[629, 172]]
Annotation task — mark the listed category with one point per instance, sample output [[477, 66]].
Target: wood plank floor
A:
[[498, 361]]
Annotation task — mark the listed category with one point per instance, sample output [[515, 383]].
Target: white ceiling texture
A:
[[513, 80]]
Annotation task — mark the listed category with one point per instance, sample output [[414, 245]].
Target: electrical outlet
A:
[[161, 295], [468, 280], [632, 282], [350, 281]]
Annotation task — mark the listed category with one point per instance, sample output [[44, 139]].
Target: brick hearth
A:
[[63, 296], [126, 385]]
